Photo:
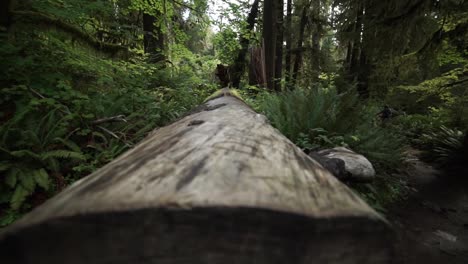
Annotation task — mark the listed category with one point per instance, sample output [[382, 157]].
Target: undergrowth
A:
[[322, 118], [66, 111]]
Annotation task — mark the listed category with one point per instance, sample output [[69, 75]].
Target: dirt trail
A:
[[432, 224]]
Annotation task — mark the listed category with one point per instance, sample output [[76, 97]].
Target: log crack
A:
[[191, 174]]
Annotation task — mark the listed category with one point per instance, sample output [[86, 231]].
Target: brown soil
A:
[[432, 223]]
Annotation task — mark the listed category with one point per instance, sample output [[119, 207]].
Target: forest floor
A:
[[432, 223]]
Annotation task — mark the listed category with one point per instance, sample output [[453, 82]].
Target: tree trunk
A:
[[363, 74], [153, 38], [349, 50], [315, 58], [465, 146], [355, 54], [269, 37], [5, 13], [364, 70], [256, 69], [279, 44], [237, 70], [217, 186], [298, 61], [288, 31]]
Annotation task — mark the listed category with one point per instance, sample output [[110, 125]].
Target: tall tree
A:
[[269, 39], [355, 52], [237, 70], [288, 38], [5, 15], [153, 39], [316, 36], [300, 40], [279, 44]]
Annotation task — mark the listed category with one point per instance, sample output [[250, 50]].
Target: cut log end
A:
[[200, 235]]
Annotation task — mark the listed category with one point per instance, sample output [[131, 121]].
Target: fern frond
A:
[[26, 177], [32, 137], [53, 131], [100, 135], [25, 153], [42, 178], [63, 154], [12, 177], [53, 164], [4, 166], [70, 144], [18, 197], [19, 115]]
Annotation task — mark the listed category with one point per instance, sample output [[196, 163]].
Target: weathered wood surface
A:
[[218, 186]]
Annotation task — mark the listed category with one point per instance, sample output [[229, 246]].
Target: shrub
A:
[[413, 126]]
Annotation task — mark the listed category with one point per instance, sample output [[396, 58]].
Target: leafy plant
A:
[[304, 111], [442, 145]]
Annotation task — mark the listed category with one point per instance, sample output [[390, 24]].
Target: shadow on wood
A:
[[217, 186]]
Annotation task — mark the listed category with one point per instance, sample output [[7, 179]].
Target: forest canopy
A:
[[84, 80]]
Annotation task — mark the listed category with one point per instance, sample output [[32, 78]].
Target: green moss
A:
[[224, 92]]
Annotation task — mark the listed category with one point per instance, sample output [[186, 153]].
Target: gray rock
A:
[[335, 166], [357, 167]]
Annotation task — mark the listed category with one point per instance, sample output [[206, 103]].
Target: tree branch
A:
[[114, 135]]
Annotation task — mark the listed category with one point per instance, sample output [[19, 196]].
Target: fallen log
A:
[[218, 186]]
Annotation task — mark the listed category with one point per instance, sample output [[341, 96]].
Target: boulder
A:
[[356, 166], [335, 166]]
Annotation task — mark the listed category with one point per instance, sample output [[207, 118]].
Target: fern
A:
[[63, 154], [12, 177], [18, 197], [70, 144], [26, 179], [25, 153], [321, 118], [42, 178], [4, 166], [443, 144]]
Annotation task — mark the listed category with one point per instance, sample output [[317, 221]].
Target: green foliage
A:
[[383, 192], [233, 26], [301, 111], [413, 126], [322, 118], [226, 45], [253, 96], [443, 145], [54, 92]]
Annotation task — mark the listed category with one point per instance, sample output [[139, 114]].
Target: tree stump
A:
[[219, 185]]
